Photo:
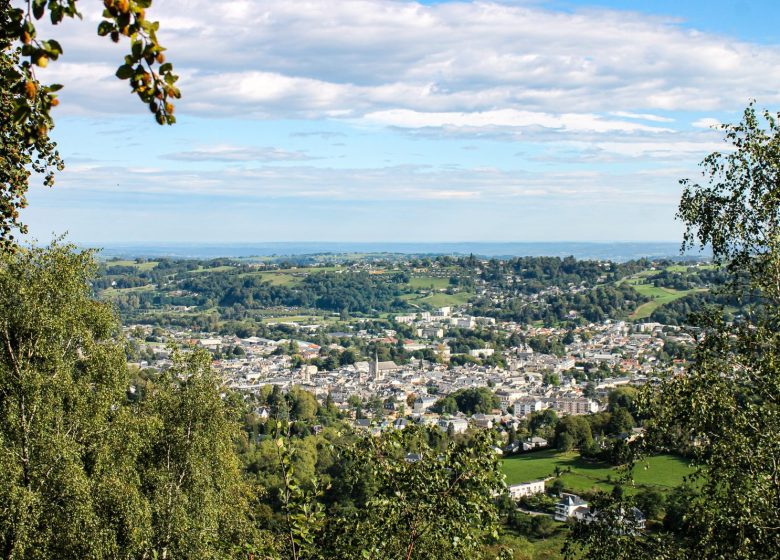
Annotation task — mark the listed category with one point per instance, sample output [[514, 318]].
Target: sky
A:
[[377, 120]]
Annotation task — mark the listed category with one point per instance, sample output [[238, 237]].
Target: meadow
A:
[[662, 472]]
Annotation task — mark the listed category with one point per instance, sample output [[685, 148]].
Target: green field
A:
[[684, 267], [662, 471], [445, 300], [148, 265], [113, 292], [429, 282], [278, 278], [661, 296]]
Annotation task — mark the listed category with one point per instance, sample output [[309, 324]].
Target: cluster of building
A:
[[523, 386]]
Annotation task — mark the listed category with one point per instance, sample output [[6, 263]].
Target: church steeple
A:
[[373, 368]]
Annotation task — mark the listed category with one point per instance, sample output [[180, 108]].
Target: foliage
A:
[[188, 466], [723, 412], [478, 400], [25, 146], [26, 104], [574, 431], [61, 376], [86, 472], [439, 506]]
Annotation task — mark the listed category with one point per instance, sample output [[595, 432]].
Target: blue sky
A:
[[378, 120]]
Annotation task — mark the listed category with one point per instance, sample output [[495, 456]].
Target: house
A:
[[625, 523], [484, 420], [534, 443], [263, 412], [430, 332], [571, 506], [517, 491], [459, 425], [421, 403], [363, 423], [210, 343]]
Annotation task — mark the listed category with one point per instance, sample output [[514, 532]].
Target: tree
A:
[[189, 469], [61, 376], [84, 471], [651, 503], [724, 411], [303, 406], [620, 422], [565, 441], [437, 507], [26, 104], [574, 431]]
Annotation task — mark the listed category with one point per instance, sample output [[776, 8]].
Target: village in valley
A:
[[385, 370]]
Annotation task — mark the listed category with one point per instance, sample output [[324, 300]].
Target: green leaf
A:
[[39, 6], [125, 72], [104, 28]]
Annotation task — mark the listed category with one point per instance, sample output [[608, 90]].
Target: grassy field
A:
[[113, 292], [661, 296], [445, 300], [223, 268], [663, 471], [279, 278], [148, 265], [685, 267], [428, 282]]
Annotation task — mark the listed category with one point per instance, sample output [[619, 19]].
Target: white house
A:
[[459, 425], [571, 505], [534, 443]]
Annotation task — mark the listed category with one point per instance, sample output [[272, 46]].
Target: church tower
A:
[[373, 368]]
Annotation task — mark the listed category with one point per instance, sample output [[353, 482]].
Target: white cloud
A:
[[571, 122], [229, 153], [642, 116], [706, 122], [322, 59], [396, 183]]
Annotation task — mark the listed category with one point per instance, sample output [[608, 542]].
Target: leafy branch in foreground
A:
[[26, 104]]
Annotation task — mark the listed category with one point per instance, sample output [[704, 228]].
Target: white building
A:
[[459, 425], [570, 506], [526, 406], [534, 443], [517, 491], [421, 404], [574, 406]]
